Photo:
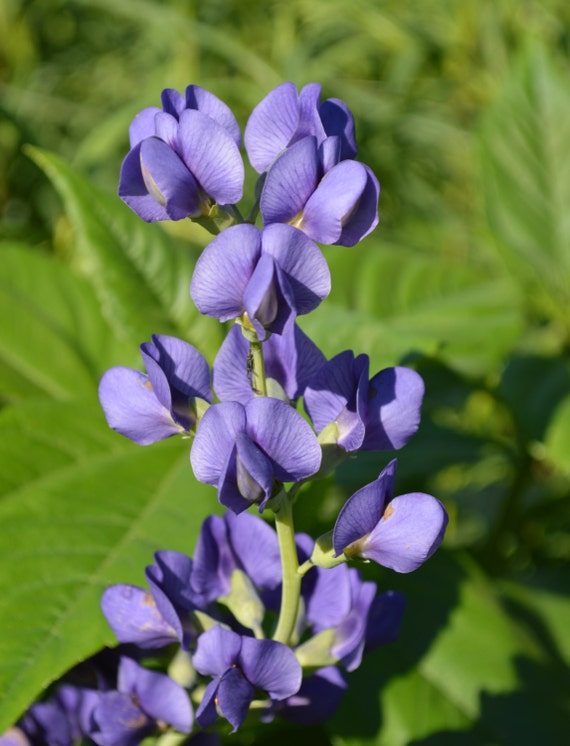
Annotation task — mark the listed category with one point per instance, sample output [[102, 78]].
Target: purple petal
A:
[[310, 122], [133, 190], [163, 699], [207, 713], [216, 651], [285, 437], [167, 180], [303, 263], [329, 153], [350, 635], [394, 406], [214, 440], [133, 616], [232, 380], [119, 721], [268, 299], [364, 218], [255, 545], [169, 581], [229, 492], [234, 697], [201, 99], [337, 120], [173, 102], [361, 512], [166, 128], [132, 409], [185, 368], [14, 737], [327, 596], [223, 271], [410, 531], [333, 202], [384, 619], [290, 182], [143, 125], [254, 472], [271, 666], [271, 125], [213, 562], [212, 156]]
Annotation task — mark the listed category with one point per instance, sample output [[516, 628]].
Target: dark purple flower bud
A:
[[332, 201], [167, 401], [400, 533], [244, 450], [142, 700], [284, 116], [380, 414], [183, 158], [291, 360], [384, 620], [317, 700], [240, 665], [272, 275]]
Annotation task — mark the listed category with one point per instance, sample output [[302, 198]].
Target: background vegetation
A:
[[463, 111]]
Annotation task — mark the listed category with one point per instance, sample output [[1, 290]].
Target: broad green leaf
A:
[[80, 508], [141, 276], [462, 667], [53, 340], [526, 178]]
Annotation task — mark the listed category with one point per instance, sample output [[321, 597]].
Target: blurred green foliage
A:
[[463, 111]]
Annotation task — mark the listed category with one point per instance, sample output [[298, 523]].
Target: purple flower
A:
[[271, 275], [158, 618], [147, 408], [332, 201], [380, 414], [290, 358], [285, 116], [231, 543], [183, 158], [244, 450], [317, 700], [142, 700], [240, 665], [400, 533]]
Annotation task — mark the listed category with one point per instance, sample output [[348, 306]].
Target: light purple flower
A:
[[380, 414], [333, 201], [161, 617], [245, 450], [183, 158], [143, 699], [398, 532], [240, 665], [151, 407], [291, 360], [285, 116], [272, 275]]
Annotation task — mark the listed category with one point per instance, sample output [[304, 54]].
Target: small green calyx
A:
[[244, 603], [316, 652], [323, 554]]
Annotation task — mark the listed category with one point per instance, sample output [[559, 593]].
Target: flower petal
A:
[[223, 271], [143, 125], [132, 409], [384, 619], [255, 544], [212, 156], [133, 190], [271, 666], [409, 533], [364, 217], [271, 125], [234, 697], [216, 651], [337, 120], [201, 99], [133, 616], [163, 699], [214, 440]]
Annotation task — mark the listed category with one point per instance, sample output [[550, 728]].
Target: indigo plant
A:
[[262, 623]]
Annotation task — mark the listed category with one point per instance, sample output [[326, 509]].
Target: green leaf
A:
[[463, 671], [80, 508], [526, 178], [141, 276], [54, 341], [557, 438]]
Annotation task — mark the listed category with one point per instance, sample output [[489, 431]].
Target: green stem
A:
[[258, 381], [291, 589]]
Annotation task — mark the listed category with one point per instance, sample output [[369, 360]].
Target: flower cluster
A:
[[261, 623]]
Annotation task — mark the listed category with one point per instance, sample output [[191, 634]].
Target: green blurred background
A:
[[462, 109]]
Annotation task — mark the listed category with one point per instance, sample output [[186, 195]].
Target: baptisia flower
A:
[[284, 116], [164, 402], [183, 158], [271, 275], [291, 359], [143, 700], [397, 532], [361, 414], [333, 201], [247, 450], [238, 666]]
